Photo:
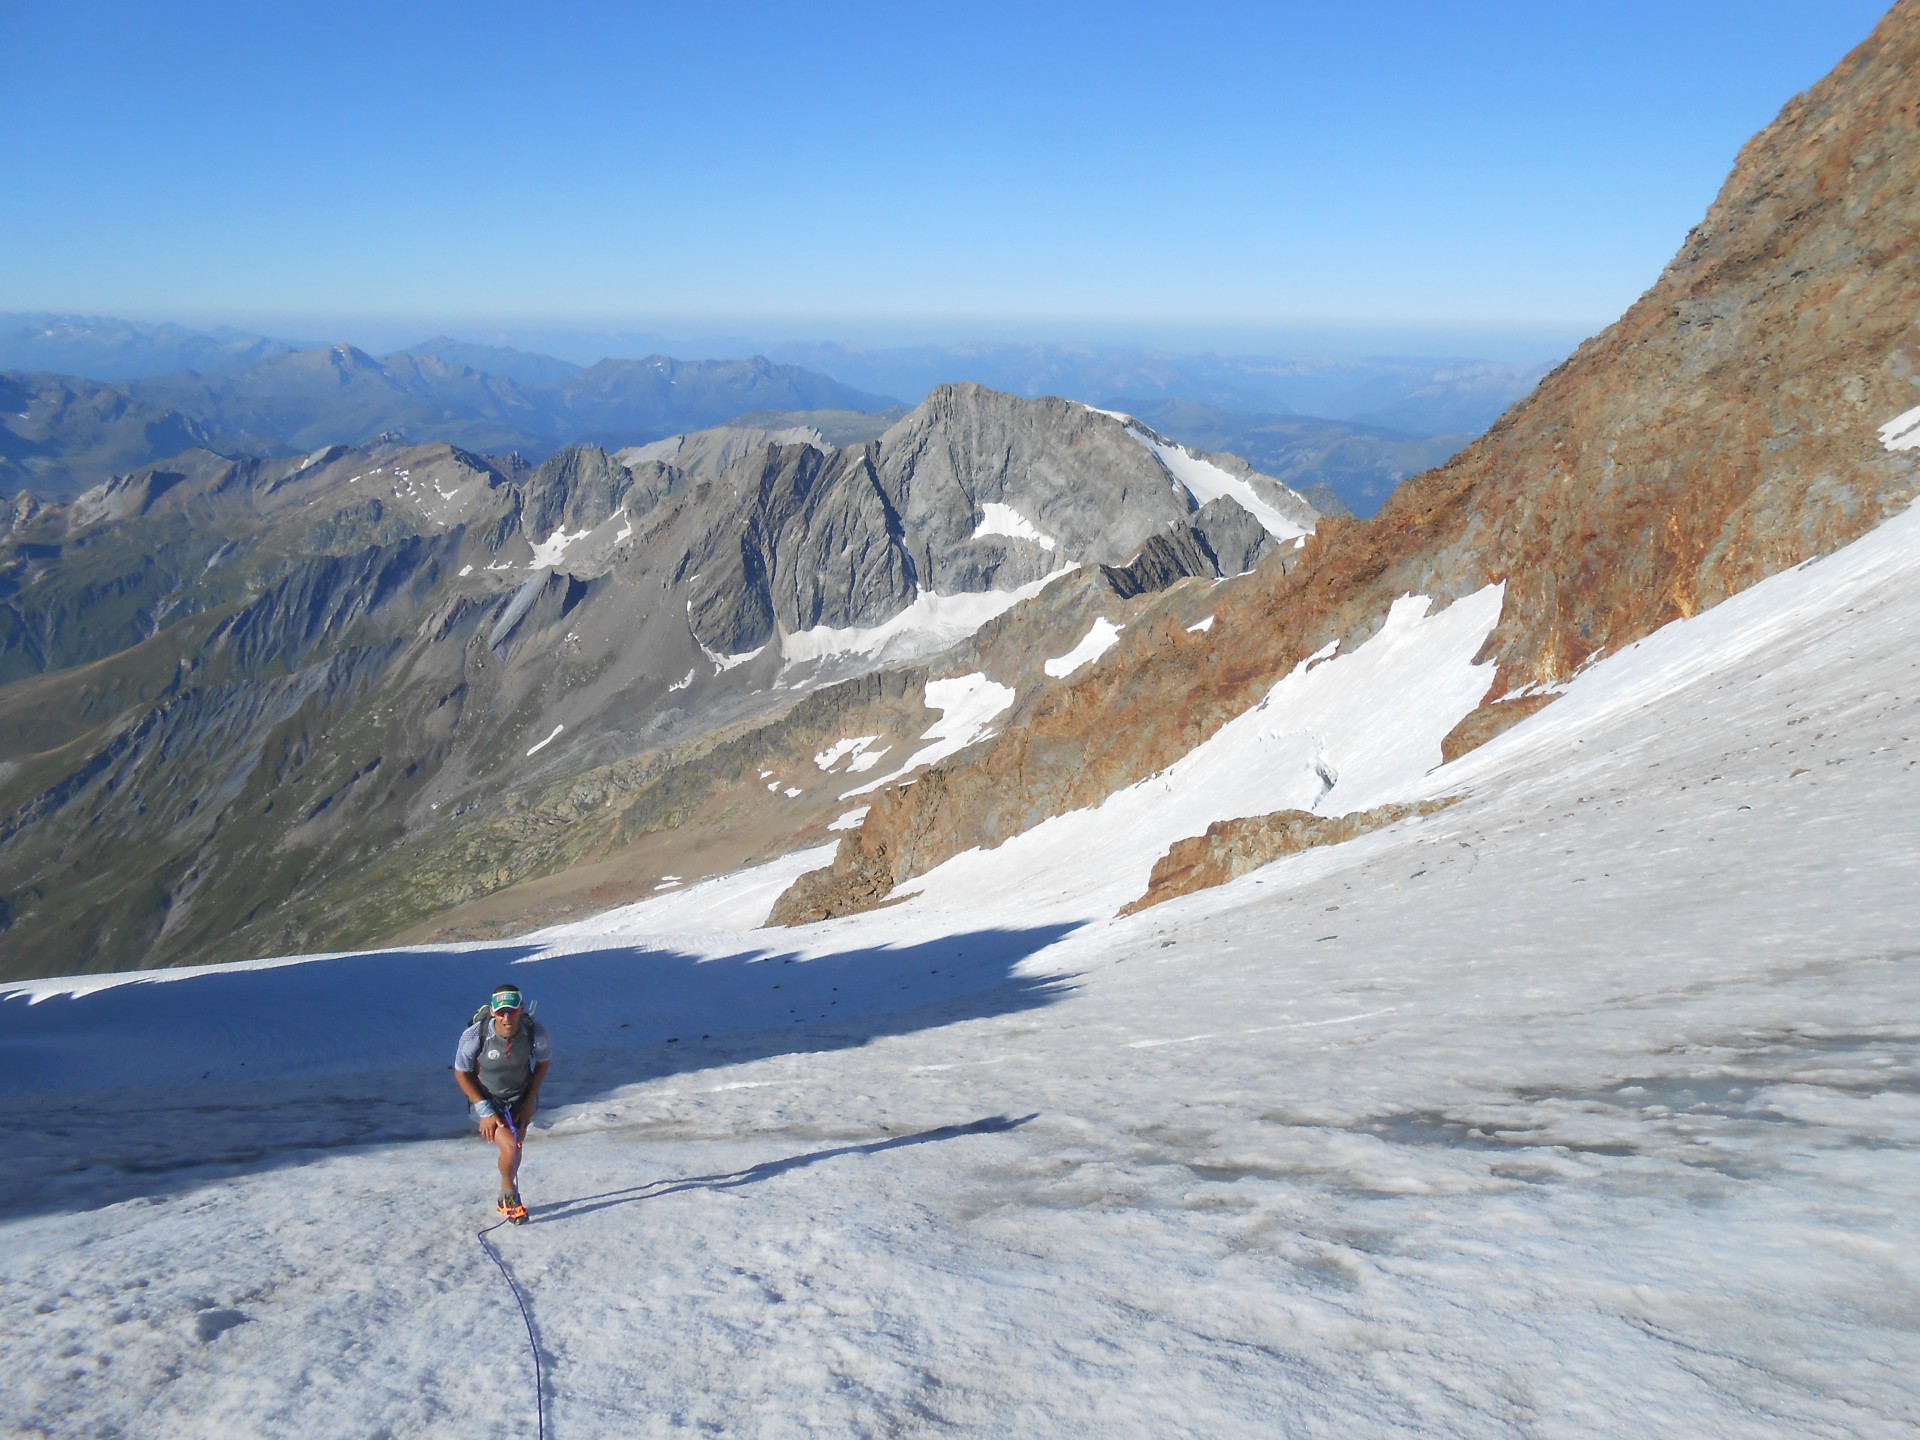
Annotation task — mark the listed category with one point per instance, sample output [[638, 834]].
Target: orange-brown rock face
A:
[[1723, 429], [1232, 848], [1475, 729]]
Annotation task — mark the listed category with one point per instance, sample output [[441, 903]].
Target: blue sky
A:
[[880, 172]]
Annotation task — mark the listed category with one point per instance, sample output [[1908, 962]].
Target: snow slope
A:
[[1585, 1106]]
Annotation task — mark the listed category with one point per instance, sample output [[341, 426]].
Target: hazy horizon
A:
[[1494, 182], [694, 339]]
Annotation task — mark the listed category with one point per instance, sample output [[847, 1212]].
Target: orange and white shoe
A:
[[511, 1207]]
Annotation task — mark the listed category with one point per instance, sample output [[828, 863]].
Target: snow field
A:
[[1335, 735], [1594, 1095], [854, 750]]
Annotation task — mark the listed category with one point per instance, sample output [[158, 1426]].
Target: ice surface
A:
[[551, 737], [1101, 638], [851, 820], [999, 519], [1200, 627], [1596, 1095]]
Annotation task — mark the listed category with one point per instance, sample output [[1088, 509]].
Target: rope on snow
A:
[[539, 1386], [539, 1390]]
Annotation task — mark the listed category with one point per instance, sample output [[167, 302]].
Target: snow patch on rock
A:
[[842, 749], [549, 551], [932, 623], [1101, 638], [1903, 431], [967, 705], [999, 519]]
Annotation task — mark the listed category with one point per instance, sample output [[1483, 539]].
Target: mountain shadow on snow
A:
[[152, 1087]]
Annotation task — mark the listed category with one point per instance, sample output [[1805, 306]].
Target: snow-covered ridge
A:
[[1337, 734], [1204, 480]]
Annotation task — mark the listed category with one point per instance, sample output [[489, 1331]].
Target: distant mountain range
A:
[[60, 434], [1414, 397], [102, 348], [83, 398]]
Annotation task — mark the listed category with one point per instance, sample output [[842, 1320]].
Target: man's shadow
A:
[[768, 1169]]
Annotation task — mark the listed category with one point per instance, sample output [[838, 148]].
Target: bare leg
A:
[[509, 1147]]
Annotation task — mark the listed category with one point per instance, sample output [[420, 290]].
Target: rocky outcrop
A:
[[1232, 848], [1722, 430], [1495, 717], [583, 486]]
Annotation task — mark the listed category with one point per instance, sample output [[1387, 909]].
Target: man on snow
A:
[[500, 1065]]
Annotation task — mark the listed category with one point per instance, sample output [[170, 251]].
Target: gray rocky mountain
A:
[[307, 398], [243, 394], [271, 704]]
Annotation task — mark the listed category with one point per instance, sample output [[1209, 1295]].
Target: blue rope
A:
[[539, 1387]]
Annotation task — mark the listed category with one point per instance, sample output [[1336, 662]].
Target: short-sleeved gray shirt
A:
[[502, 1067]]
